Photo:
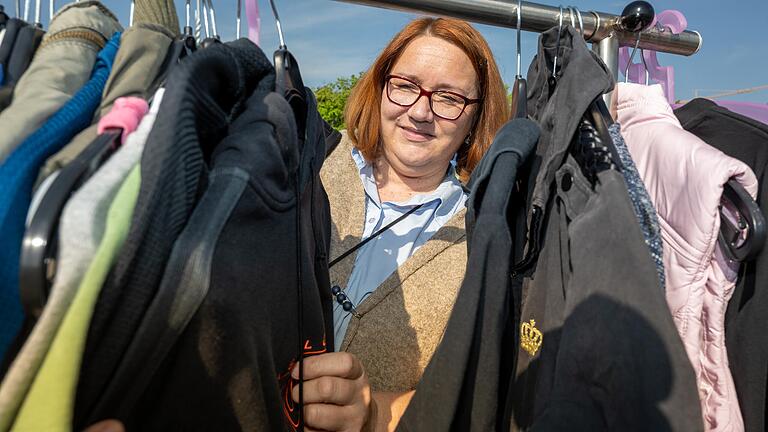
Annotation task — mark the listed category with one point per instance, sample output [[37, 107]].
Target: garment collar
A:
[[448, 191], [637, 103], [582, 78]]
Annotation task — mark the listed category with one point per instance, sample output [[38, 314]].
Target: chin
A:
[[412, 165]]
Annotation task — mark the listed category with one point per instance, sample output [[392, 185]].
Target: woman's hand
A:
[[106, 426], [337, 396]]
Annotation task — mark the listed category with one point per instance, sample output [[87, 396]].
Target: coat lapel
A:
[[347, 199], [449, 234]]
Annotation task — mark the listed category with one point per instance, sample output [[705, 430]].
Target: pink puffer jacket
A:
[[684, 177]]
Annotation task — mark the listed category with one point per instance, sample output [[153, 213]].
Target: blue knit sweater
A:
[[18, 174]]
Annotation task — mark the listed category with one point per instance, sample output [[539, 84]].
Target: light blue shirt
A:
[[380, 257]]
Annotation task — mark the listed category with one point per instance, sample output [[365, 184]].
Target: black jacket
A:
[[27, 41], [215, 347], [598, 349], [467, 377], [230, 368], [204, 93], [747, 316], [12, 27]]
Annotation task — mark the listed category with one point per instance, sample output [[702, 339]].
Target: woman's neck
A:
[[395, 187]]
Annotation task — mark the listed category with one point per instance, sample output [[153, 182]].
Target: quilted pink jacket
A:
[[684, 177]]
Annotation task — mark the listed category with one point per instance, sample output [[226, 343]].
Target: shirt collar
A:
[[450, 191]]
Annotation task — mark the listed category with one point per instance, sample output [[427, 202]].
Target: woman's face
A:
[[415, 141]]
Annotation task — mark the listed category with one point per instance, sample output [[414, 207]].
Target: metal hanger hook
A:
[[519, 32], [632, 57], [277, 23], [187, 8], [580, 20], [38, 13], [237, 19], [557, 45], [212, 11]]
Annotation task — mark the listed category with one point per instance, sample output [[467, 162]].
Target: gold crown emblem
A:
[[530, 337]]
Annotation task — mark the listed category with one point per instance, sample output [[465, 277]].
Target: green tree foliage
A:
[[332, 98]]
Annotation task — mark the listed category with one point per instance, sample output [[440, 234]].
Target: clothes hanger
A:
[[739, 242], [40, 244], [751, 222], [592, 146], [253, 17], [214, 28], [552, 81], [205, 19], [598, 114], [198, 24], [212, 37], [38, 6], [288, 81], [519, 108], [189, 43], [237, 19], [632, 57]]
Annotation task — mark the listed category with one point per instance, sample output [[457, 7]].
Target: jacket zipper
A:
[[83, 34]]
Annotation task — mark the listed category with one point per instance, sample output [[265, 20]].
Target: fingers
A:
[[329, 417], [331, 390], [338, 364], [106, 426]]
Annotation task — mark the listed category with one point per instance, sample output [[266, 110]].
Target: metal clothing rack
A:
[[607, 32]]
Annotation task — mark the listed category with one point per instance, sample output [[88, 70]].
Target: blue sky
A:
[[332, 39]]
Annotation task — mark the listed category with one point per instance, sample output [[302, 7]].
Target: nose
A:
[[420, 110]]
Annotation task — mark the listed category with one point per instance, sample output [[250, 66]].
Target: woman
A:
[[418, 122]]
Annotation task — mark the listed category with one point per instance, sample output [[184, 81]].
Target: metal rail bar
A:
[[539, 18]]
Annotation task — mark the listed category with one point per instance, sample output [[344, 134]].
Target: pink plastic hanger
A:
[[254, 20]]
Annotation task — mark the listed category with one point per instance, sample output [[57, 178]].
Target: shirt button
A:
[[371, 220]]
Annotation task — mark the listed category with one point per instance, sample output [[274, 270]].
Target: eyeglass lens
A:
[[443, 104]]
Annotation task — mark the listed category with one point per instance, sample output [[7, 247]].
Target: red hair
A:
[[362, 113]]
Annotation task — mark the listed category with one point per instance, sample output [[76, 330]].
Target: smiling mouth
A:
[[416, 133]]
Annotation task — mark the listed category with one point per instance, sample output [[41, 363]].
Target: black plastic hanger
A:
[[288, 80], [750, 218], [214, 38], [188, 36], [40, 245], [519, 108]]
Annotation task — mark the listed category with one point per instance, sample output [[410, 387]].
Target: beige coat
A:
[[59, 68], [399, 326]]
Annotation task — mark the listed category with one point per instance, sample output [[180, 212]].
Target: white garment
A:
[[81, 228]]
